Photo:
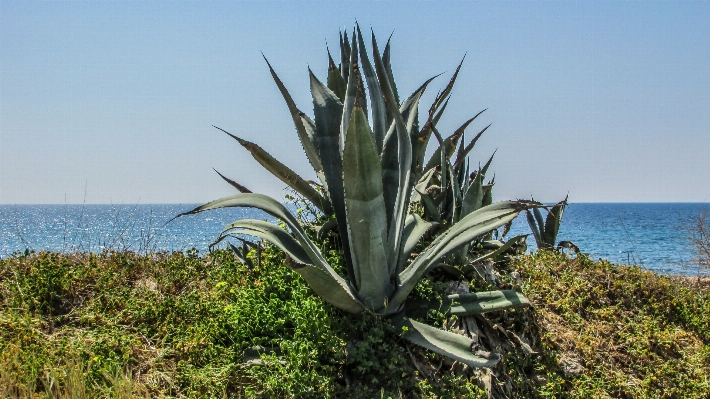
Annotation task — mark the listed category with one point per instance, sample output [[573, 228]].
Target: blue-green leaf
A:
[[328, 109], [473, 197], [296, 116], [534, 227], [502, 248], [445, 343], [480, 302], [335, 79], [285, 174], [552, 222], [379, 110], [414, 229], [270, 232], [404, 158], [365, 207]]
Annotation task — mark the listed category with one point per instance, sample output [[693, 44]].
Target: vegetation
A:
[[183, 325], [385, 252], [368, 169], [698, 236], [545, 232]]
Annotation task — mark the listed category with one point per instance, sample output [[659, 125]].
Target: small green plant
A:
[[367, 170], [545, 232]]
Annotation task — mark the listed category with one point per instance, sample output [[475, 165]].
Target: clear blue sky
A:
[[609, 101]]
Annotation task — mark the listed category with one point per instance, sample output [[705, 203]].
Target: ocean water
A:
[[650, 235]]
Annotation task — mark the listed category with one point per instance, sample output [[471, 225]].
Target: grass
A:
[[182, 325]]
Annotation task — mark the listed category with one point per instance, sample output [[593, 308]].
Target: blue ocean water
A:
[[647, 234]]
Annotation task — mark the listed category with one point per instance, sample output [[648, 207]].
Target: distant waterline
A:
[[647, 234]]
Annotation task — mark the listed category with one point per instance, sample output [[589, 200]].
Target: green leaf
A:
[[487, 194], [445, 94], [473, 197], [476, 303], [456, 197], [414, 229], [242, 257], [541, 227], [410, 110], [331, 291], [474, 225], [355, 90], [502, 248], [440, 113], [344, 56], [379, 110], [365, 205], [460, 159], [404, 157], [449, 144], [328, 226], [328, 115], [460, 176], [388, 68], [335, 79], [422, 185], [390, 153], [310, 127], [273, 208], [270, 232], [488, 164], [285, 174], [323, 283], [534, 228], [445, 343], [297, 121], [442, 163], [430, 207], [552, 222]]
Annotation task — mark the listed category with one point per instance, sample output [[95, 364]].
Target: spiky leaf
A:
[[297, 121], [328, 109], [233, 183], [445, 343], [285, 174], [476, 303], [365, 209]]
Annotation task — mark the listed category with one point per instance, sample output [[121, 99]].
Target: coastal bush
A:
[[616, 331], [184, 325]]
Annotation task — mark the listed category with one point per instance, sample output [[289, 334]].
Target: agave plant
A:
[[443, 188], [448, 200], [366, 170], [545, 233]]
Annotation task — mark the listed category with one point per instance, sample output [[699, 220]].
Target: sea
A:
[[650, 235]]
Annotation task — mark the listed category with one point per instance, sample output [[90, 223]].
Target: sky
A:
[[114, 102]]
